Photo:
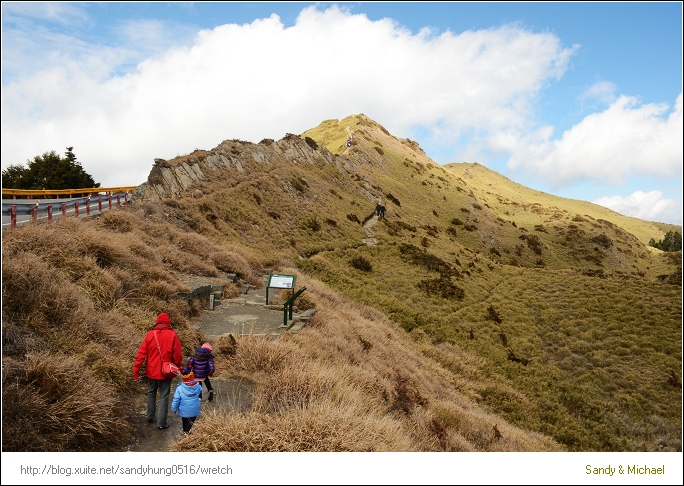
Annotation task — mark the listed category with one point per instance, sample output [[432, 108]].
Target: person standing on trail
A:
[[186, 401], [161, 344], [202, 364]]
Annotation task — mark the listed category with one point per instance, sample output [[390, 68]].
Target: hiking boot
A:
[[211, 395], [162, 427]]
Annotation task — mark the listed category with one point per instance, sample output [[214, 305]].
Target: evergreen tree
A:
[[12, 177], [671, 242], [49, 171]]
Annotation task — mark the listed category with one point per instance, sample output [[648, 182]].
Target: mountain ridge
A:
[[528, 284]]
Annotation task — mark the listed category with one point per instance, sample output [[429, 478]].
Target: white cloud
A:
[[626, 139], [262, 80], [649, 206], [60, 12], [602, 91]]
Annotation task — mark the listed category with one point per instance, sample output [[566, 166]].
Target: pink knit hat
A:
[[207, 346]]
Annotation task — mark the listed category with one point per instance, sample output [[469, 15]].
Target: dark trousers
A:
[[208, 383], [187, 423], [164, 389]]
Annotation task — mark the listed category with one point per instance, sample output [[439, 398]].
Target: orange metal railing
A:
[[64, 192]]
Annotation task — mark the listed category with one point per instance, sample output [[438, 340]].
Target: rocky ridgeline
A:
[[179, 177]]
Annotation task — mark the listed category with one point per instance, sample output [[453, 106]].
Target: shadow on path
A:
[[229, 395]]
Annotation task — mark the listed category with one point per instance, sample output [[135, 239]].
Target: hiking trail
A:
[[247, 314], [370, 240]]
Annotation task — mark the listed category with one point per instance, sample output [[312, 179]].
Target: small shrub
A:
[[379, 150], [452, 231], [477, 206], [173, 203], [353, 218], [299, 184], [539, 227], [603, 240], [331, 222], [493, 315], [390, 197], [431, 230], [312, 224], [227, 345], [257, 198], [273, 214], [366, 345], [311, 143], [427, 260], [534, 242], [425, 242], [360, 263], [457, 222], [407, 226], [469, 227], [117, 221], [465, 210], [512, 357], [442, 286], [266, 141], [405, 397], [494, 251]]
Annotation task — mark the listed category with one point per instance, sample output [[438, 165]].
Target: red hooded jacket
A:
[[171, 350]]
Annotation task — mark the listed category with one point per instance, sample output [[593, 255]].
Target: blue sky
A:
[[581, 100]]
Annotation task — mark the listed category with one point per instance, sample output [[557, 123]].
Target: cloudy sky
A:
[[581, 100]]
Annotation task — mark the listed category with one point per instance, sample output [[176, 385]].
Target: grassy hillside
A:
[[483, 303]]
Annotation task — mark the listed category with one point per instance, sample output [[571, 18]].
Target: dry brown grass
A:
[[351, 380], [53, 402], [77, 299], [232, 262]]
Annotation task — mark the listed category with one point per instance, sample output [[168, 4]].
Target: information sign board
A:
[[279, 281]]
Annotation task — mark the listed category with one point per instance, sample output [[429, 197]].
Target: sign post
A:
[[280, 281]]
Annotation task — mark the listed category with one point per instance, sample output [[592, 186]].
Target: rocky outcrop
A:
[[182, 176]]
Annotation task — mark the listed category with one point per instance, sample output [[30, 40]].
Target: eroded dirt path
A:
[[370, 240]]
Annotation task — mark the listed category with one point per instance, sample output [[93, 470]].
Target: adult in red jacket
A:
[[171, 350]]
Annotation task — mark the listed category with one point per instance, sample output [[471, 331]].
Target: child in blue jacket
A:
[[186, 400]]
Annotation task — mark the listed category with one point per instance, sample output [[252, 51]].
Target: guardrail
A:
[[32, 193], [12, 213]]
